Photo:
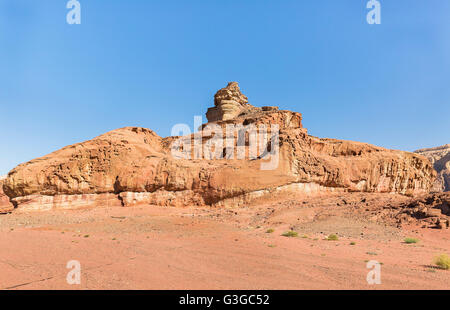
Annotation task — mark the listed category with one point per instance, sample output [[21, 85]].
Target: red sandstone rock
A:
[[5, 204], [229, 103], [432, 210], [136, 166]]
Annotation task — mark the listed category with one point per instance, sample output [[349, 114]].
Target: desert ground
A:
[[137, 215], [154, 247]]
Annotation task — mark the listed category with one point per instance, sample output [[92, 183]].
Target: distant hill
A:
[[440, 158]]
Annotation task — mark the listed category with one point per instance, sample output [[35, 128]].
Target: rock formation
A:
[[229, 103], [440, 158], [5, 204], [131, 166], [432, 211]]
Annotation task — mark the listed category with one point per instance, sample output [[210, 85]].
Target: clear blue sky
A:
[[157, 63]]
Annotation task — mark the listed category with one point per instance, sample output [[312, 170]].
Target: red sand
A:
[[191, 248]]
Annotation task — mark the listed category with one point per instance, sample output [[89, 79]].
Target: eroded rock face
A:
[[62, 202], [5, 204], [133, 166], [432, 211], [229, 103], [102, 165], [440, 158]]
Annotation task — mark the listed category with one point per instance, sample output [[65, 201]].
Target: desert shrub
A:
[[332, 237], [269, 231], [290, 233], [442, 261], [411, 240]]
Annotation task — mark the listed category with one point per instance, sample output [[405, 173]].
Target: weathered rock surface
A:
[[61, 202], [5, 204], [136, 166], [432, 211], [440, 158], [229, 103]]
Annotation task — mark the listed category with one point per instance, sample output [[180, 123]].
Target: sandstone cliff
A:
[[130, 166], [440, 158]]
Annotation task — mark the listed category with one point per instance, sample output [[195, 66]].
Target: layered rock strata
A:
[[432, 211], [440, 158], [132, 166]]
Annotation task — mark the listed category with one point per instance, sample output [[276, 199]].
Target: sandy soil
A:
[[152, 247]]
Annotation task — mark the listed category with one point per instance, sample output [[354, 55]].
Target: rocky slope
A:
[[440, 158], [431, 211], [130, 166]]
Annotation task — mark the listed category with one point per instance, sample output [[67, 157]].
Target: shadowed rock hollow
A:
[[131, 165]]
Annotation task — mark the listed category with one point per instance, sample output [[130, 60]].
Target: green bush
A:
[[442, 261], [411, 240], [332, 237], [290, 233]]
